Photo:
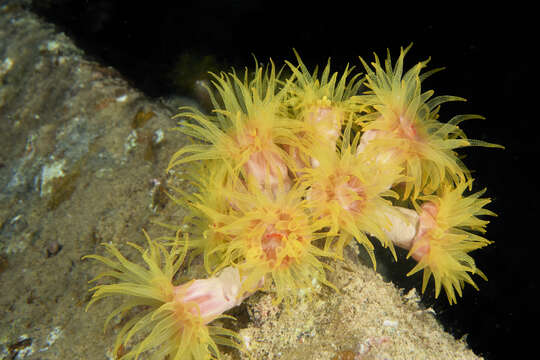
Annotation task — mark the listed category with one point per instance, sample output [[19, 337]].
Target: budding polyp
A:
[[325, 120]]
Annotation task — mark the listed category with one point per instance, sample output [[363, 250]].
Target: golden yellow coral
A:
[[405, 118], [325, 103], [446, 234], [270, 238], [349, 190], [172, 328], [246, 129]]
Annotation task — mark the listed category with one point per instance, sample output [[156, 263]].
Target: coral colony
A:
[[286, 172]]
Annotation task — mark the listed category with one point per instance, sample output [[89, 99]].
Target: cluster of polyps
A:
[[288, 171]]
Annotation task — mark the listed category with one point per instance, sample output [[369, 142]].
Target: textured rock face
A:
[[82, 159], [81, 162]]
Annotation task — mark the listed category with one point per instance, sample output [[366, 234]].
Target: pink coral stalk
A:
[[325, 121], [214, 295], [403, 230], [269, 170]]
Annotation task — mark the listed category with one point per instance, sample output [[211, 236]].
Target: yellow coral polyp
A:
[[246, 123], [324, 121], [170, 328], [448, 232], [325, 103], [406, 119], [349, 191], [271, 238]]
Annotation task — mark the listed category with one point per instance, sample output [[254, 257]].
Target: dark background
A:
[[488, 55]]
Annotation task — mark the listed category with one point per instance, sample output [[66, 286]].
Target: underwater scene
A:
[[188, 199]]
